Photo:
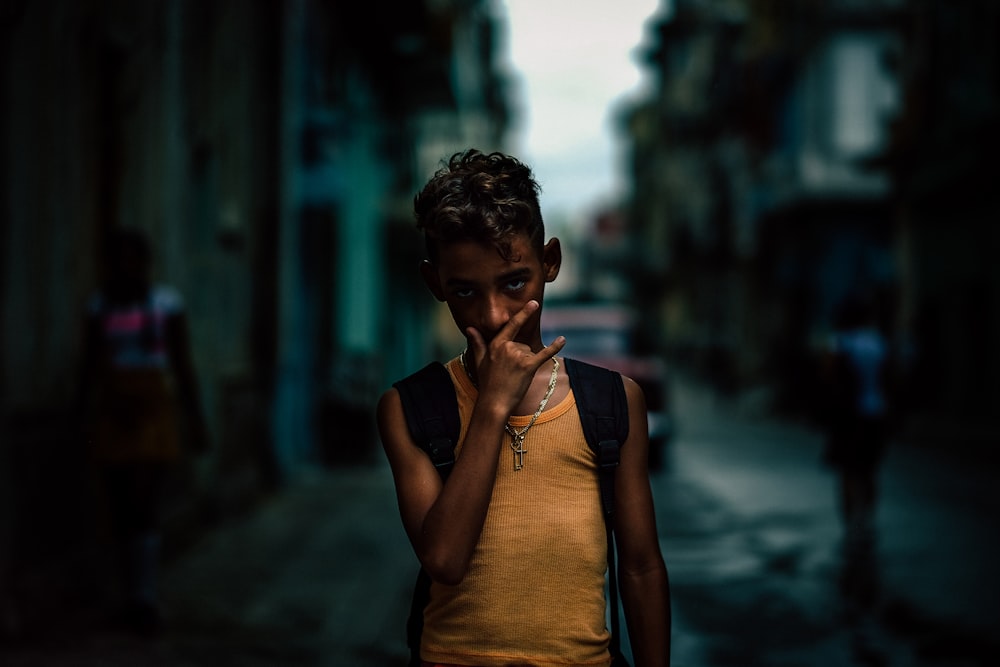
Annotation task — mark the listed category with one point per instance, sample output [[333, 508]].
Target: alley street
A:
[[758, 561], [321, 574]]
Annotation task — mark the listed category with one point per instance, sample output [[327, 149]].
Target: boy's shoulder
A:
[[430, 408]]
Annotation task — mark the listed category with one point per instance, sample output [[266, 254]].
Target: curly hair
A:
[[482, 198]]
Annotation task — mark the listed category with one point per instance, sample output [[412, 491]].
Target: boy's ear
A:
[[551, 259], [430, 275]]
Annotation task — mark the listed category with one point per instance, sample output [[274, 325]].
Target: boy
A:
[[514, 541]]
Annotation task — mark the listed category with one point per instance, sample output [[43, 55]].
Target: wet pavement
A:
[[762, 573], [321, 574]]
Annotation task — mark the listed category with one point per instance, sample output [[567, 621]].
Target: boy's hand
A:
[[505, 367]]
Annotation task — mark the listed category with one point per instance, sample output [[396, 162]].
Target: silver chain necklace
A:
[[517, 437]]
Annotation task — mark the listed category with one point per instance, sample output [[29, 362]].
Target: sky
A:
[[574, 60]]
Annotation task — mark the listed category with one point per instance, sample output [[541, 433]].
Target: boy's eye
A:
[[463, 293], [514, 285]]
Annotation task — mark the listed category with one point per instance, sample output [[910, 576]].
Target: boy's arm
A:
[[642, 573], [443, 528], [444, 521]]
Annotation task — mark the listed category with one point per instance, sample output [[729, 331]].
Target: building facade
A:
[[785, 162], [270, 152]]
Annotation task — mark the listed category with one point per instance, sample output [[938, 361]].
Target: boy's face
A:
[[483, 290]]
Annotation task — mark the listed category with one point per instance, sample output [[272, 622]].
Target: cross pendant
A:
[[518, 446]]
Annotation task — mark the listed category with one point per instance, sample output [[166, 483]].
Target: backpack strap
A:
[[431, 411], [603, 407]]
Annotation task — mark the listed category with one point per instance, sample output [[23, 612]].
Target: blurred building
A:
[[271, 151], [791, 154]]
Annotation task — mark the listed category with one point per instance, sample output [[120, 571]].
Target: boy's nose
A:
[[494, 317]]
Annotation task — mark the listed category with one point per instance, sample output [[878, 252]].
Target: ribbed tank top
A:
[[534, 591]]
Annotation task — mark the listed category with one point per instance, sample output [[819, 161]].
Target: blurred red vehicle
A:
[[605, 335]]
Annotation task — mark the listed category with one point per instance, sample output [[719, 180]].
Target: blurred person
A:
[[137, 382], [856, 374], [857, 381], [517, 571]]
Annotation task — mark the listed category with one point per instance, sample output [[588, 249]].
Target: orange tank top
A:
[[534, 591]]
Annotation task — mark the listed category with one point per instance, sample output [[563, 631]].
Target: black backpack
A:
[[431, 411]]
